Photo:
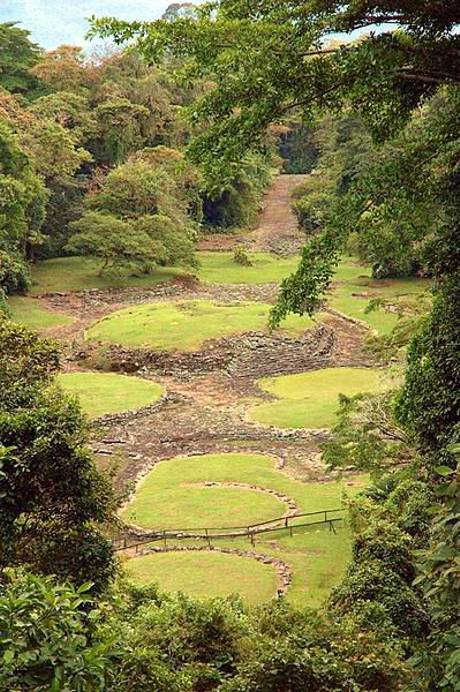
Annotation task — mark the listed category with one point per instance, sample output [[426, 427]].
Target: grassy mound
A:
[[186, 325], [206, 574], [172, 495], [30, 313], [311, 399], [101, 393]]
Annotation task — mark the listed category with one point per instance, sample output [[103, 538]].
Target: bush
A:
[[311, 211], [373, 581], [386, 543], [45, 641], [14, 274], [241, 256]]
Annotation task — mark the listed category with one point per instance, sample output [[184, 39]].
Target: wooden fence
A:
[[130, 539]]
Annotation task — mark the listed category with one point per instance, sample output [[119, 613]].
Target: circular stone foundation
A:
[[210, 490], [186, 325], [106, 393]]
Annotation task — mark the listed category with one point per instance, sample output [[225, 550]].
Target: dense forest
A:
[[132, 161]]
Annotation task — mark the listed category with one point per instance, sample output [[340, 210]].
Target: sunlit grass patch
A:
[[102, 393], [173, 495], [206, 574], [186, 325], [220, 268], [353, 289], [81, 273], [29, 312], [311, 399]]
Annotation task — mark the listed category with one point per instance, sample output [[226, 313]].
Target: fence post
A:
[[286, 522], [207, 537]]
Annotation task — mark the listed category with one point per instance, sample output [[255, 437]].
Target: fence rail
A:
[[130, 540]]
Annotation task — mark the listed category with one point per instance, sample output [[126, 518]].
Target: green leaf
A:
[[444, 470]]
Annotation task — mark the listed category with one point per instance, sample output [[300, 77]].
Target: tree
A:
[[120, 244], [138, 219], [120, 126], [52, 499], [17, 56], [69, 110], [65, 69], [22, 207]]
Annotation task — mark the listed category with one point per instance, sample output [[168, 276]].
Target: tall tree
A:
[[17, 56], [22, 207]]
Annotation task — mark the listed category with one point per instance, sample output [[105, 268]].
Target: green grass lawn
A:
[[80, 273], [354, 288], [206, 574], [170, 496], [311, 399], [317, 556], [101, 393], [186, 325], [219, 268], [29, 312]]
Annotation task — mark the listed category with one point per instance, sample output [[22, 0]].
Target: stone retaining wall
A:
[[250, 355]]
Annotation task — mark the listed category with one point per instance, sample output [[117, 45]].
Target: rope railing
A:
[[290, 523]]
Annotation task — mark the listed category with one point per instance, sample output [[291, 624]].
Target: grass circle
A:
[[204, 574], [186, 325], [174, 494], [102, 393], [311, 399]]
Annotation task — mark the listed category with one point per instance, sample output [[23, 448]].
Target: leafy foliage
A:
[[439, 579], [366, 436], [52, 498], [45, 641], [17, 55], [140, 220], [22, 199]]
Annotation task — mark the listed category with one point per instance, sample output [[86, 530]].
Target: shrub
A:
[[241, 256], [373, 581], [45, 641], [14, 274]]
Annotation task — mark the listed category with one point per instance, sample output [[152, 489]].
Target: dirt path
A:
[[277, 229]]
